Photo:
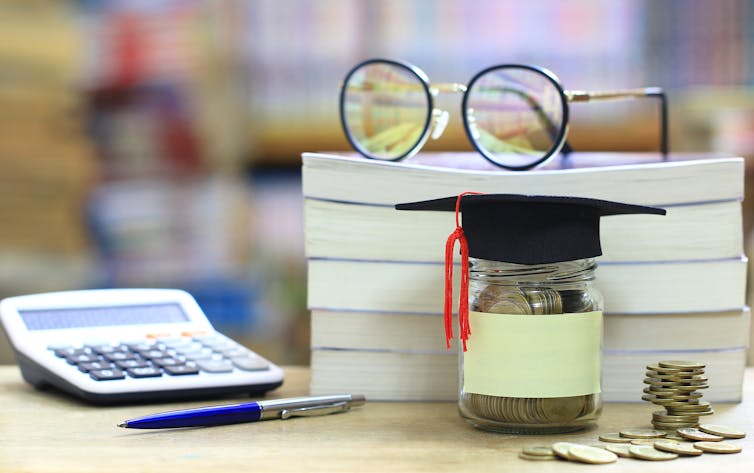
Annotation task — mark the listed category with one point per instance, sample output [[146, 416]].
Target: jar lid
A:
[[527, 229]]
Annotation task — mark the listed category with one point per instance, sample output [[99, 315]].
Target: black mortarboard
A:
[[531, 229]]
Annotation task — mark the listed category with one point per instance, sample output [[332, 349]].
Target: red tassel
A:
[[463, 304]]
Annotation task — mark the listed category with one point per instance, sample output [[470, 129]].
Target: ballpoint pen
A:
[[247, 412]]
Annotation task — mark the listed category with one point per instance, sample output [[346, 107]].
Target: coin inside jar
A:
[[562, 409]]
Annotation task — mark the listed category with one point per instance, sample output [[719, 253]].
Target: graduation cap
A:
[[521, 229]]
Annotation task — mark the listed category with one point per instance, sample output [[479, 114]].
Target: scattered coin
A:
[[641, 433], [541, 450], [717, 447], [594, 455], [681, 448], [649, 442], [619, 449], [614, 437], [525, 456], [722, 431], [696, 434], [561, 449], [645, 452]]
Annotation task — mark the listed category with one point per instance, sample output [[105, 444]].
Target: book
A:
[[423, 333], [627, 288], [673, 286], [379, 232], [634, 178], [412, 376]]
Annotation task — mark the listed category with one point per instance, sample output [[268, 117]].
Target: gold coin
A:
[[561, 449], [646, 452], [543, 301], [543, 450], [685, 388], [681, 448], [525, 456], [614, 437], [717, 447], [669, 394], [674, 425], [696, 434], [649, 442], [517, 305], [681, 364], [696, 413], [689, 408], [619, 449], [641, 433], [662, 369], [593, 455], [663, 416], [723, 431], [674, 436], [675, 374], [562, 409]]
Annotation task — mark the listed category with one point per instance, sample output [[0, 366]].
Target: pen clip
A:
[[315, 410]]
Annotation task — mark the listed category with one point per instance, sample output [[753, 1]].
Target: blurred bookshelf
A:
[[157, 143]]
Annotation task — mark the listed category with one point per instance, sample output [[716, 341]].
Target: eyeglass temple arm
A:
[[582, 96]]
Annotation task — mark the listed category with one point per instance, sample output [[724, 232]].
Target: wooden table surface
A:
[[47, 432]]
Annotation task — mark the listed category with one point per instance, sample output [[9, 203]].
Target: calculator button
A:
[[139, 363], [104, 349], [201, 355], [237, 352], [82, 358], [191, 348], [153, 353], [95, 365], [168, 362], [215, 366], [71, 351], [180, 370], [144, 372], [139, 345], [249, 363], [120, 355], [106, 375]]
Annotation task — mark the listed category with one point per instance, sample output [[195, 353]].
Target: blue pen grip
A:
[[203, 416]]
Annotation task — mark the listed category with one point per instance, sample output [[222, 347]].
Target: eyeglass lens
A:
[[514, 115], [385, 110]]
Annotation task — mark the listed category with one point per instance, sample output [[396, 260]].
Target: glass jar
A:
[[533, 359]]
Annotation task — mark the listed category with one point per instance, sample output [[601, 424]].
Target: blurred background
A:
[[156, 143]]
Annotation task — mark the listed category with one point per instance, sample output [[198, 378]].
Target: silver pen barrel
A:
[[309, 406]]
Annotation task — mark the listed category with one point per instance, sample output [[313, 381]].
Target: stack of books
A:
[[674, 286]]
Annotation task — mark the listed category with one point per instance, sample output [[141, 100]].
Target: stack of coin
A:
[[674, 385]]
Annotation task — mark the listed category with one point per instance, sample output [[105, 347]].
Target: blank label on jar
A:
[[555, 355]]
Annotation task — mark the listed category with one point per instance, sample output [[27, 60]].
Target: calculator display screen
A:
[[81, 317]]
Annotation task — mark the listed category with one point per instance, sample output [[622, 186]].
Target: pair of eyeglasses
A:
[[515, 115]]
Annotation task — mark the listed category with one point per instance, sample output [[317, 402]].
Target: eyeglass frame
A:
[[566, 97]]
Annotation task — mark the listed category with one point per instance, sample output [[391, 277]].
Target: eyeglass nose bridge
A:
[[440, 117], [452, 87]]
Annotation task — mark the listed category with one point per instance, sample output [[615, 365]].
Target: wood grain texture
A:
[[47, 432]]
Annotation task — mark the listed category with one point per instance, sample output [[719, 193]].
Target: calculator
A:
[[109, 346]]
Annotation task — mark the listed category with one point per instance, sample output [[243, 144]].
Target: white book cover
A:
[[633, 178], [398, 376], [711, 230], [627, 288]]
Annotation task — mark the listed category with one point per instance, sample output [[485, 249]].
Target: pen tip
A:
[[123, 424]]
